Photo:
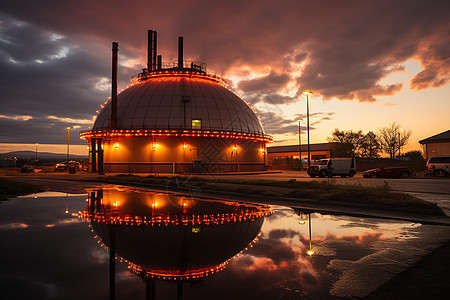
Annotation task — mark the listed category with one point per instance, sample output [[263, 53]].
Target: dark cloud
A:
[[268, 98], [277, 124], [271, 82], [54, 54], [43, 75]]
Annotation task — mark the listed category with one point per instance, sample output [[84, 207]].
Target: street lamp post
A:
[[307, 93], [68, 143], [300, 144], [36, 151]]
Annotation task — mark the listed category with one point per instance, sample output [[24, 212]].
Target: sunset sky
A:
[[368, 63]]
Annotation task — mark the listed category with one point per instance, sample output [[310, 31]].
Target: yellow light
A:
[[307, 92], [116, 145], [154, 144], [301, 222], [310, 252], [196, 124], [68, 128]]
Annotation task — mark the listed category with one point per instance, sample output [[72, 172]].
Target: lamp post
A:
[[68, 143], [310, 252], [36, 151], [300, 144], [307, 93]]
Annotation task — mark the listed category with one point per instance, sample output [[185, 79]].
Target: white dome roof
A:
[[157, 103]]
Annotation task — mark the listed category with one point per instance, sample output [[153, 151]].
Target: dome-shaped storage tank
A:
[[176, 118]]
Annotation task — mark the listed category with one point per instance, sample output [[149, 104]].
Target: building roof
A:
[[295, 148], [157, 103], [441, 137]]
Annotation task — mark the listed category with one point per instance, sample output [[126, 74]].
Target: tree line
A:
[[391, 140]]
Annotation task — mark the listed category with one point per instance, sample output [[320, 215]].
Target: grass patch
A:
[[328, 190], [10, 189]]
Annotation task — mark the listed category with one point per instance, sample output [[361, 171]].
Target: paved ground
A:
[[419, 185], [427, 279]]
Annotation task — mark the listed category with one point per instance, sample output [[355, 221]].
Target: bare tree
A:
[[393, 139]]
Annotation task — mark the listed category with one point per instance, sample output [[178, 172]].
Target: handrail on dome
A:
[[190, 68]]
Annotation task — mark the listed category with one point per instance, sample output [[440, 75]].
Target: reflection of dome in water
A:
[[171, 240]]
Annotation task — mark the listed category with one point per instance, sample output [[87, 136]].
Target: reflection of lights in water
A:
[[67, 204], [189, 225], [302, 221], [310, 252]]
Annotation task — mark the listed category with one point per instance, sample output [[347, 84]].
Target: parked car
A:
[[388, 172], [438, 166], [27, 169], [333, 167], [62, 166]]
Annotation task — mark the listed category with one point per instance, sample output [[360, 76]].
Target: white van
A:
[[333, 167], [438, 166]]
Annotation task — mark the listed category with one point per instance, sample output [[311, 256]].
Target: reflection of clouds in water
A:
[[282, 233], [277, 250], [323, 250], [125, 275], [280, 213], [63, 222], [14, 226], [361, 224], [340, 264], [100, 256], [29, 285], [67, 221], [365, 239], [281, 260]]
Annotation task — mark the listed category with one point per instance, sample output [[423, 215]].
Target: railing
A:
[[195, 68]]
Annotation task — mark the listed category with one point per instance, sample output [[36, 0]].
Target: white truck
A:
[[438, 166], [333, 167]]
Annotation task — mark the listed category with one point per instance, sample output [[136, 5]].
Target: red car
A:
[[388, 172]]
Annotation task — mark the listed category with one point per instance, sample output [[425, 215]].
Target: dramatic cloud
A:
[[267, 83], [276, 124], [55, 55]]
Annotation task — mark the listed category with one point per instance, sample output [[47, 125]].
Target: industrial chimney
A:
[[159, 67], [180, 52], [149, 50], [115, 52], [154, 54]]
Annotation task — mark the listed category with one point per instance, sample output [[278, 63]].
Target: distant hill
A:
[[41, 155]]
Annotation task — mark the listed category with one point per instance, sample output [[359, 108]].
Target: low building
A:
[[287, 157], [436, 145]]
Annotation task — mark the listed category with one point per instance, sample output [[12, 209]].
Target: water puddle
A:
[[136, 244]]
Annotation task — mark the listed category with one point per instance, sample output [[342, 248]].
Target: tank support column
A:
[[93, 155], [100, 156]]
